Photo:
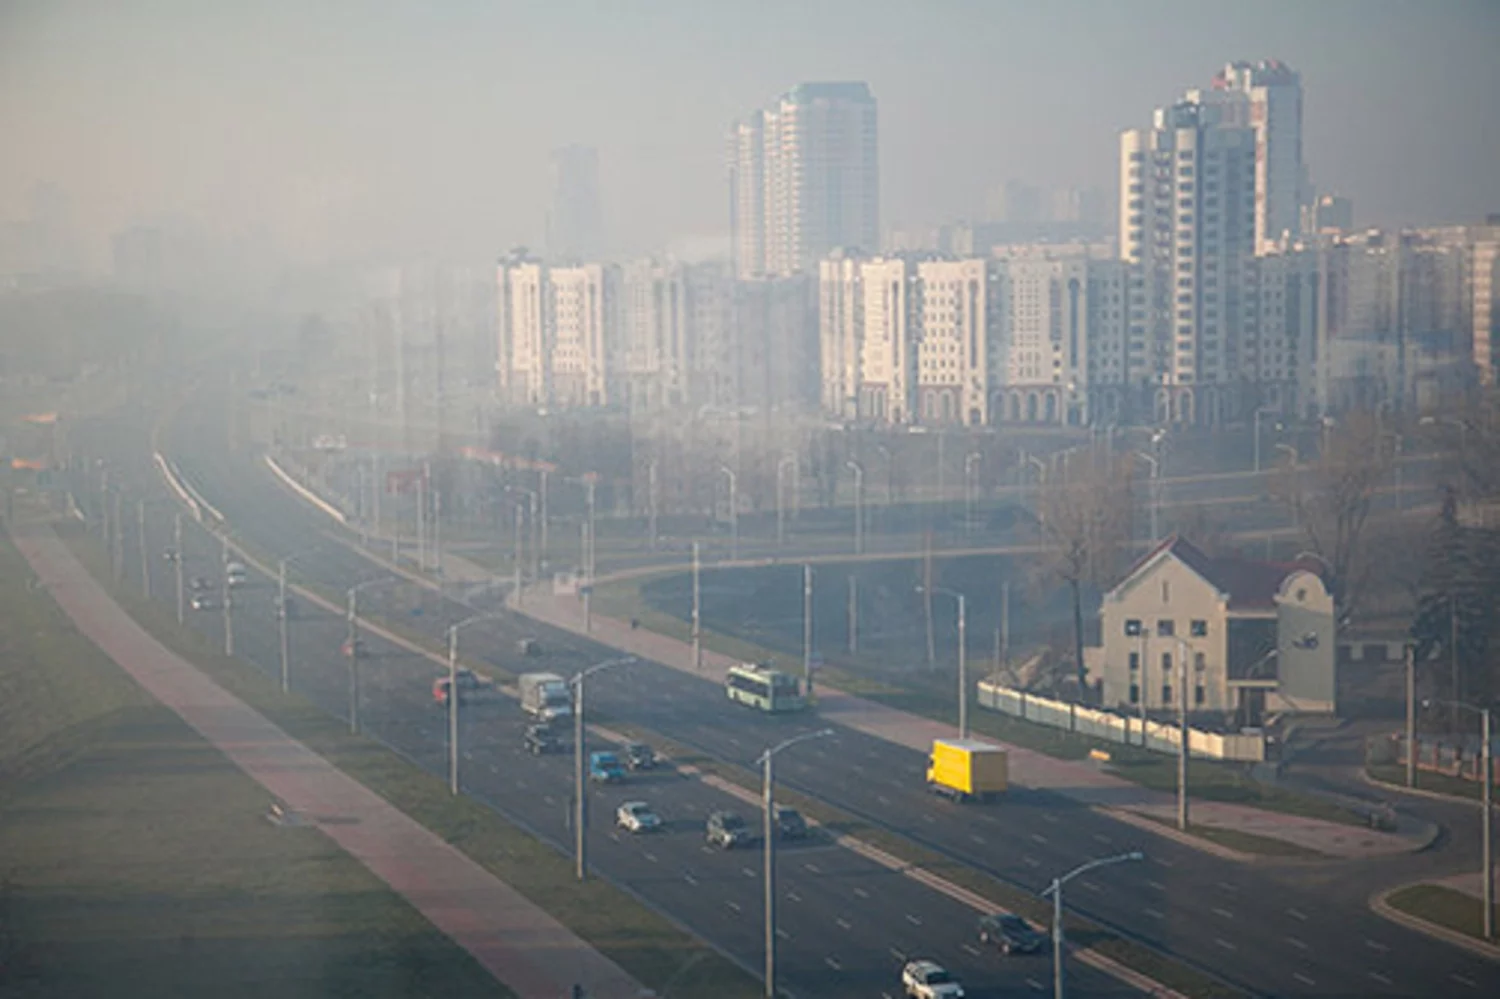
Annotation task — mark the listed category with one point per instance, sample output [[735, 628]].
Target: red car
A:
[[467, 684]]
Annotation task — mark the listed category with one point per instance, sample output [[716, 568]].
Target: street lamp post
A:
[[1182, 735], [1486, 833], [1056, 891], [353, 639], [734, 512], [1155, 488], [769, 850], [963, 658], [453, 630], [859, 507], [580, 812]]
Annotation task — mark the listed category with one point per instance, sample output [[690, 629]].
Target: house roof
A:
[[1250, 584]]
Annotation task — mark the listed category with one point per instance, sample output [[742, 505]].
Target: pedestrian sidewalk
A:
[[519, 943], [1082, 782]]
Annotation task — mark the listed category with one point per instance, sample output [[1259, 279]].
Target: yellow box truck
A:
[[964, 769]]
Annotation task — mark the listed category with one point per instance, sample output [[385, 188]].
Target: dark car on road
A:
[[726, 830], [639, 756], [1010, 934], [790, 824], [540, 739]]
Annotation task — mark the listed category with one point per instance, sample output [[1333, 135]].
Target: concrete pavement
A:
[[518, 942]]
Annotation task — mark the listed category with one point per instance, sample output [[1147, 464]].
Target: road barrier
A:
[[1111, 727], [177, 486], [306, 493]]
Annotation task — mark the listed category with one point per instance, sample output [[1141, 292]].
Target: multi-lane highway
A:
[[1259, 927], [845, 922]]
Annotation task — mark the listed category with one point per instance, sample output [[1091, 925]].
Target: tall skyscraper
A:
[[1187, 224], [1266, 97], [805, 180], [575, 225]]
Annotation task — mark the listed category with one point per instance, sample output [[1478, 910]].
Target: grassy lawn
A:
[[1444, 906], [1244, 842], [1395, 774], [136, 860], [1210, 780], [655, 950]]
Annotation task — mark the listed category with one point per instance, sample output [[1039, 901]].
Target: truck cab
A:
[[605, 768]]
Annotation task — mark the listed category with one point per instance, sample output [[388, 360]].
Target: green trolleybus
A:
[[763, 687]]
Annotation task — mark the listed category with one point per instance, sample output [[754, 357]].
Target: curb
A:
[[1418, 793], [1380, 904], [1131, 818]]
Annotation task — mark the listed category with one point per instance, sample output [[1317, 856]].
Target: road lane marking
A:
[[1297, 915], [1038, 986], [1091, 886], [977, 838], [1460, 979], [971, 949], [1038, 838], [1101, 838], [843, 924], [1224, 943], [650, 856], [1164, 862], [1303, 978], [1048, 816], [898, 955], [832, 963], [917, 922], [792, 896], [811, 868], [1296, 943], [1152, 913], [783, 934], [1376, 945], [1031, 862], [747, 872], [1223, 912], [736, 906], [1228, 887], [1382, 979], [1157, 885], [882, 799], [928, 818], [861, 893]]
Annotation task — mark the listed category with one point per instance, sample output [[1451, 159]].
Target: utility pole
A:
[[177, 550], [963, 668], [697, 613], [140, 518], [580, 789], [1182, 748], [1487, 756], [807, 627], [588, 583], [437, 534]]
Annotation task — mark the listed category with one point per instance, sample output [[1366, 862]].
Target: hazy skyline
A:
[[349, 129]]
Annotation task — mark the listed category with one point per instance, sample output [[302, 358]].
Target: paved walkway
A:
[[516, 941], [1083, 782]]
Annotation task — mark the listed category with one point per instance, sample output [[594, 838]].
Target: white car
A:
[[929, 980], [637, 817]]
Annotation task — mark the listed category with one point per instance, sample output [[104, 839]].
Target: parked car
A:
[[637, 817], [639, 756], [790, 824], [235, 574], [541, 739], [529, 647], [929, 980], [605, 768], [169, 554], [726, 830], [1010, 933], [198, 584], [357, 649], [204, 601]]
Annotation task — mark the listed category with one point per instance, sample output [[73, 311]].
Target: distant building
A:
[[1256, 637], [1329, 214], [804, 180], [575, 223]]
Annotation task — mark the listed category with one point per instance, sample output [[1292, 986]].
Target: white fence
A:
[[1164, 738]]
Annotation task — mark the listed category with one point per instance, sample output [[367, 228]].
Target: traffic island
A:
[[1441, 910]]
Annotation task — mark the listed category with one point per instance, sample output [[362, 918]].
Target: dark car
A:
[[727, 830], [540, 739], [639, 756], [1010, 933], [199, 584], [467, 683], [790, 824]]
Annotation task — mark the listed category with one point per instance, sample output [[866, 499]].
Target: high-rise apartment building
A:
[[1266, 97], [804, 180], [575, 224], [1187, 224], [558, 332]]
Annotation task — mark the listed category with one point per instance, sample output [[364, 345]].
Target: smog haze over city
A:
[[719, 500]]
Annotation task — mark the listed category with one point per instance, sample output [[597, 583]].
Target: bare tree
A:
[[1330, 499], [1084, 518]]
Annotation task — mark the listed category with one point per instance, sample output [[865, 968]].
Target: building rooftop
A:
[[1250, 584]]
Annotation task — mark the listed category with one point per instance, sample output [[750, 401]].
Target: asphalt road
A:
[[846, 923], [1260, 927]]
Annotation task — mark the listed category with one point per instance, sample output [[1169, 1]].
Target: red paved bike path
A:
[[522, 946]]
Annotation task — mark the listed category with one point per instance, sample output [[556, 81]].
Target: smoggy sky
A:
[[344, 128]]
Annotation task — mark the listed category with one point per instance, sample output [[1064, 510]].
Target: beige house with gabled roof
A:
[[1257, 637]]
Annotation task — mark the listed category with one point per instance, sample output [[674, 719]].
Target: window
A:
[[1135, 693], [1135, 661], [1166, 663], [1200, 662], [1133, 627], [1199, 695], [1166, 628], [1166, 693], [1198, 629]]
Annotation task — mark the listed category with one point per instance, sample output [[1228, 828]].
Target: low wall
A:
[[1124, 729]]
